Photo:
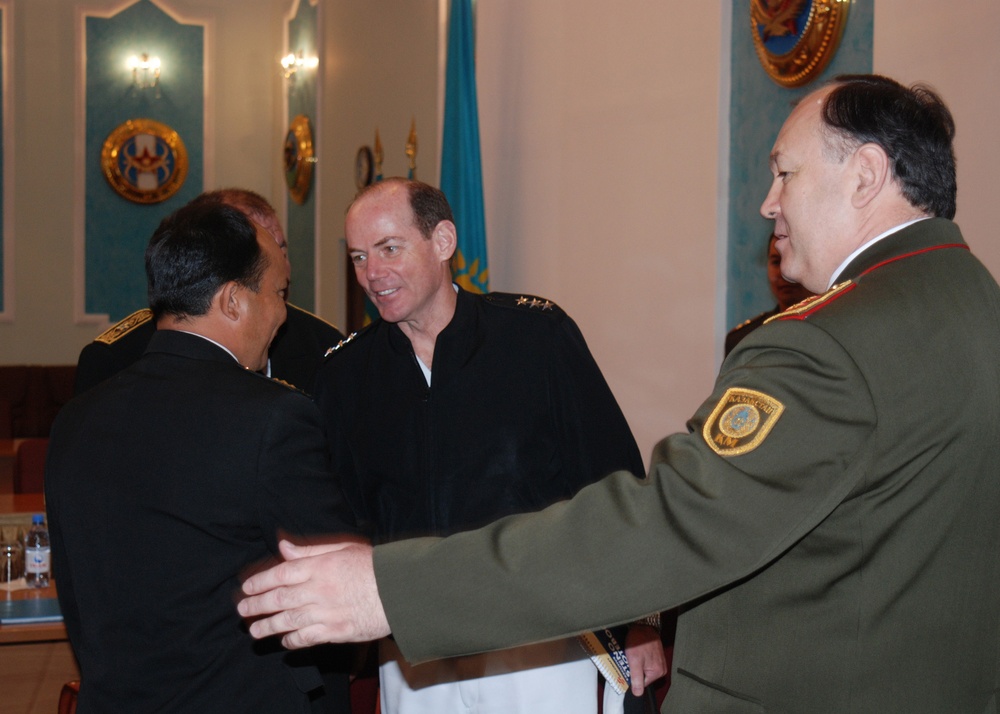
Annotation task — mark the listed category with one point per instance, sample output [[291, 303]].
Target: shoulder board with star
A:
[[802, 310], [125, 326], [742, 324], [517, 301], [340, 345], [288, 385], [277, 380]]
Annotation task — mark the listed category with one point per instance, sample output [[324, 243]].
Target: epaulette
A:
[[802, 310], [339, 345], [522, 302], [125, 326], [277, 380], [289, 385]]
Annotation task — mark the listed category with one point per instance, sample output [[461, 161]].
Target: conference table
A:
[[35, 659]]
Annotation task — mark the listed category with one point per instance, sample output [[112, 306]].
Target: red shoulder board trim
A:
[[807, 307], [916, 252], [802, 310]]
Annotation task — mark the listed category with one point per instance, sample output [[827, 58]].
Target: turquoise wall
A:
[[301, 228], [116, 229], [757, 108]]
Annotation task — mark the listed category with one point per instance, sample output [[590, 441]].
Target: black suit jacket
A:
[[296, 352], [164, 486]]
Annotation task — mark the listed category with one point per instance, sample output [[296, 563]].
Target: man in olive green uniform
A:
[[829, 525]]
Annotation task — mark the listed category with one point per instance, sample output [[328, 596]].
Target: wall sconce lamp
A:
[[145, 72], [292, 63]]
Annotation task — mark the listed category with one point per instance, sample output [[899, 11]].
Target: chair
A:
[[67, 698], [29, 465]]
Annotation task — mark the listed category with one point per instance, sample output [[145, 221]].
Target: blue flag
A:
[[461, 167]]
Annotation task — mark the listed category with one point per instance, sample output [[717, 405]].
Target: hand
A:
[[646, 660], [321, 593]]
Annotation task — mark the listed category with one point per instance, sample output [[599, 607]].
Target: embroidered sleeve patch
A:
[[740, 421]]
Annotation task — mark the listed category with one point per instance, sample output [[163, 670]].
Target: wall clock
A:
[[364, 167]]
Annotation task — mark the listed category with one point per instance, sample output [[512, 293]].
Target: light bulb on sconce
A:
[[293, 62], [145, 72]]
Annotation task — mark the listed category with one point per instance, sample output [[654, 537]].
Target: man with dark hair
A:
[[169, 483], [829, 523], [495, 406], [295, 353]]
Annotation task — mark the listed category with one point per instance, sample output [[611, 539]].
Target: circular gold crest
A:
[[144, 161], [795, 39], [298, 158], [739, 420]]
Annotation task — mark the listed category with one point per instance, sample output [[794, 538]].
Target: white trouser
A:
[[548, 678]]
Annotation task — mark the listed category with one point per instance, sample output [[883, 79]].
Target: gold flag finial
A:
[[411, 148]]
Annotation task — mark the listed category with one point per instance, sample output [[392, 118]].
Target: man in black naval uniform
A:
[[165, 485], [495, 406], [828, 524], [295, 354]]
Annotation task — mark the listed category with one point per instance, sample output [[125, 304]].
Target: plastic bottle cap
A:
[[37, 519]]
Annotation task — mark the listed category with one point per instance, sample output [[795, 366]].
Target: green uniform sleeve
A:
[[718, 505]]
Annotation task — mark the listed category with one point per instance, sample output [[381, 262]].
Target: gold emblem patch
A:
[[740, 421]]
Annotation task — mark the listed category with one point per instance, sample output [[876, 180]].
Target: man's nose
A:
[[770, 208], [374, 268]]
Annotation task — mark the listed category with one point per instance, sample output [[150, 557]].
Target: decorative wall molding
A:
[[301, 31], [85, 173]]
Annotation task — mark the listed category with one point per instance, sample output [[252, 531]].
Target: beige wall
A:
[[951, 47], [380, 69], [600, 127]]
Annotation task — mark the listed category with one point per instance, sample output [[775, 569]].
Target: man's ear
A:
[[445, 237], [229, 301], [874, 173]]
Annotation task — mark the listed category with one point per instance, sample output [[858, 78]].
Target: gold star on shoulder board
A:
[[547, 305], [340, 344], [522, 300]]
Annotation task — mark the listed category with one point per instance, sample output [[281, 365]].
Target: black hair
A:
[[911, 124], [197, 250]]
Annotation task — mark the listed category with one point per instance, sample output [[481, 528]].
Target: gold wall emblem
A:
[[144, 161], [299, 158], [740, 421], [795, 39]]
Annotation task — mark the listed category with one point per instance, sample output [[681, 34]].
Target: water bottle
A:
[[37, 554]]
